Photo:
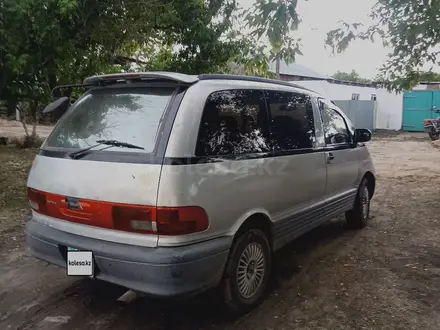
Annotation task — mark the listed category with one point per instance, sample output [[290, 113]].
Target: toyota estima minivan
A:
[[170, 184]]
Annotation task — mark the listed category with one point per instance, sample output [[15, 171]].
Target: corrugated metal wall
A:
[[361, 113]]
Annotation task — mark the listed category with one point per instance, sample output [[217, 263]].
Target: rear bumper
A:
[[161, 271]]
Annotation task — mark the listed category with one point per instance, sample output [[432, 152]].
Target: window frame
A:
[[344, 145], [232, 156], [309, 111]]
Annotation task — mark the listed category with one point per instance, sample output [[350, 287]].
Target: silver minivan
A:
[[170, 184]]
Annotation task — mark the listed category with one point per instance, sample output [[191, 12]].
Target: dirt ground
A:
[[386, 276], [12, 128]]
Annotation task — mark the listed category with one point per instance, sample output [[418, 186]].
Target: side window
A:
[[335, 128], [233, 122], [292, 125]]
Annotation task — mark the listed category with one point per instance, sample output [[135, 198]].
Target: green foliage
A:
[[27, 141], [352, 76], [44, 43], [410, 27], [429, 76], [275, 20]]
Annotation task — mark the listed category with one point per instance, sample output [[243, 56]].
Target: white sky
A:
[[321, 16]]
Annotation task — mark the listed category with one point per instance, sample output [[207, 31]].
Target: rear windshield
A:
[[131, 115]]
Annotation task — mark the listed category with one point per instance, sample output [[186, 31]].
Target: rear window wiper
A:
[[110, 143]]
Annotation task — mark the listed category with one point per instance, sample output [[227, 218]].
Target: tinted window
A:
[[335, 129], [292, 125], [130, 115], [233, 122]]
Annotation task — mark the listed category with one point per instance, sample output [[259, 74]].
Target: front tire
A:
[[247, 272], [357, 218]]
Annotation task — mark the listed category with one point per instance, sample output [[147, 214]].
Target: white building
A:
[[389, 105]]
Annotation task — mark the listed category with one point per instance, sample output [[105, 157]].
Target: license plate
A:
[[79, 263]]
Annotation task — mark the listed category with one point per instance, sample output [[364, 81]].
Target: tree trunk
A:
[[34, 129], [11, 106], [277, 67], [23, 121], [34, 111], [52, 81]]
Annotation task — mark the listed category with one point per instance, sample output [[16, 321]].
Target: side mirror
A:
[[60, 103], [362, 135]]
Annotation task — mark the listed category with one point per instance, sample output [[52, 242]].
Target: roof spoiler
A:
[[120, 77], [176, 77]]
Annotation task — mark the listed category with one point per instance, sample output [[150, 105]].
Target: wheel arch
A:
[[256, 220], [371, 182]]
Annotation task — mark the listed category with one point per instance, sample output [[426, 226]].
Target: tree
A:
[[275, 20], [352, 76], [429, 76], [48, 42], [410, 27], [44, 43]]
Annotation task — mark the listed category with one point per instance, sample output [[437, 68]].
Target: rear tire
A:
[[247, 272], [434, 136], [357, 218]]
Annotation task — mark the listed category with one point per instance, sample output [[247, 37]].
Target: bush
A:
[[27, 141], [3, 140]]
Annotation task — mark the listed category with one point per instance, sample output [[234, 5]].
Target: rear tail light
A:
[[37, 200], [130, 218], [181, 220], [427, 122], [161, 220], [133, 218]]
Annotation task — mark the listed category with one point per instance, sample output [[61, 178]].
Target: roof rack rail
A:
[[250, 78]]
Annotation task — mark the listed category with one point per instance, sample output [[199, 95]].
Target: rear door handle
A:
[[330, 158]]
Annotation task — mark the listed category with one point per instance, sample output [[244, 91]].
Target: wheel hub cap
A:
[[250, 271]]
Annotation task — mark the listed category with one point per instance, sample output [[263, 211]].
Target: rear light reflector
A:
[[34, 205], [142, 225]]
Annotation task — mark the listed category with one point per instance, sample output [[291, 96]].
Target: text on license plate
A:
[[79, 263]]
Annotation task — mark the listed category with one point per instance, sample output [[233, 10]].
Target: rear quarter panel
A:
[[365, 162]]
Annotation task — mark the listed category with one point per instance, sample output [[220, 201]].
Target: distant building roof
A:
[[295, 69]]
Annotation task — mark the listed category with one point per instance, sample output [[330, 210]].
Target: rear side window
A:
[[335, 128], [233, 122], [131, 115], [292, 125]]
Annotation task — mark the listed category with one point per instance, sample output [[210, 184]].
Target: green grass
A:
[[14, 167]]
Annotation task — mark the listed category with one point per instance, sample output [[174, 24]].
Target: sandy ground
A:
[[12, 128], [386, 276]]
